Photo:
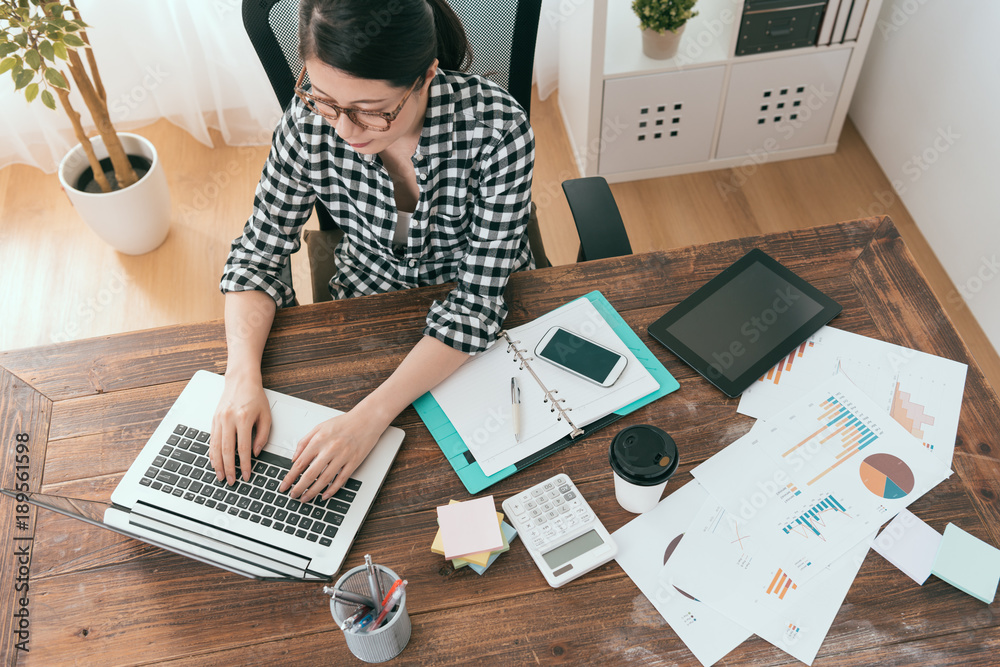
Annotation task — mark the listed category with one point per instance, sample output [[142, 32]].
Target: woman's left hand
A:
[[330, 452]]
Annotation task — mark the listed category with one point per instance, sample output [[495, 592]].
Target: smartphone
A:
[[581, 357]]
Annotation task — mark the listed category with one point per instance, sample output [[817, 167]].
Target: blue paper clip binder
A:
[[462, 460]]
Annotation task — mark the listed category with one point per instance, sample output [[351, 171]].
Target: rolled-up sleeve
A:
[[471, 316], [282, 203]]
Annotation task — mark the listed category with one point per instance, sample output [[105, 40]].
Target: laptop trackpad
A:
[[288, 426]]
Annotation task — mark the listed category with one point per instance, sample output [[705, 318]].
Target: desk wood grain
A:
[[90, 406]]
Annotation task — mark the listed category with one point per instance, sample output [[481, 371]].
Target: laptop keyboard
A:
[[182, 469]]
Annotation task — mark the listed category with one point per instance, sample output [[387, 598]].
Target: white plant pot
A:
[[134, 220], [661, 46]]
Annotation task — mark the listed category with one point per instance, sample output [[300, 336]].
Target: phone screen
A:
[[580, 355]]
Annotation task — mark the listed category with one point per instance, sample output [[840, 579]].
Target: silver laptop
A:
[[170, 496]]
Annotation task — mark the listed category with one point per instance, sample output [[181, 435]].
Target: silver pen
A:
[[373, 584], [515, 408]]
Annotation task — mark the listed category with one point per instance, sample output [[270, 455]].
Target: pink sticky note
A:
[[469, 527]]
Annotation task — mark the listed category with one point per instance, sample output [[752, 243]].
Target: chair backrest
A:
[[501, 32]]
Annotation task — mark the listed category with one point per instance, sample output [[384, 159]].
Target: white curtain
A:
[[547, 45], [189, 61]]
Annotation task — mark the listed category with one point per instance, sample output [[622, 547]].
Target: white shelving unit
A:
[[630, 117]]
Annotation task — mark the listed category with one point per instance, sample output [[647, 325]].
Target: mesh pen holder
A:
[[388, 640]]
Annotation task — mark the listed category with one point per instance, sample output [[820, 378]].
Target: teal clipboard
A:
[[461, 459]]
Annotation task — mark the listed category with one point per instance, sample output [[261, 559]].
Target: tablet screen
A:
[[746, 318], [743, 321]]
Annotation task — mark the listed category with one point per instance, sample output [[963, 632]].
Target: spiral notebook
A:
[[469, 414]]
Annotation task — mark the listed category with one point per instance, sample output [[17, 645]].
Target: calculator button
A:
[[517, 507], [564, 488], [547, 506], [538, 542], [525, 497], [535, 512], [563, 509], [540, 519], [536, 492], [531, 504], [569, 495], [551, 514], [552, 494], [548, 486], [558, 501]]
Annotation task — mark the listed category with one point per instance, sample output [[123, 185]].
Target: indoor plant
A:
[[662, 23], [115, 181]]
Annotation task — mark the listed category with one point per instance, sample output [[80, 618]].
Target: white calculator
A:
[[563, 535]]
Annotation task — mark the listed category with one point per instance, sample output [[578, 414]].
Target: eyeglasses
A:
[[377, 121]]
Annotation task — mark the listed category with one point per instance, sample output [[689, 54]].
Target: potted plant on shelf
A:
[[662, 23], [115, 181]]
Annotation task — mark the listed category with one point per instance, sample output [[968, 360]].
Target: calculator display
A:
[[572, 549]]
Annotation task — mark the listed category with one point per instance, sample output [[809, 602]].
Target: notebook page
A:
[[477, 397]]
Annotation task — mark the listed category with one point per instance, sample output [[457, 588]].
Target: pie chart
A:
[[886, 476]]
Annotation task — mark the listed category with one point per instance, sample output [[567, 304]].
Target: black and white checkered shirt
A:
[[473, 162]]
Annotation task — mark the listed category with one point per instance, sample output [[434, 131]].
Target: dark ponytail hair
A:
[[388, 40]]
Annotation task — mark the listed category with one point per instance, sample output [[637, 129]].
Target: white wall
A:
[[928, 106]]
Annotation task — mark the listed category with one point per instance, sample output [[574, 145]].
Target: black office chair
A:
[[502, 35]]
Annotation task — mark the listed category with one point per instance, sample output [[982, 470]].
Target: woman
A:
[[428, 172]]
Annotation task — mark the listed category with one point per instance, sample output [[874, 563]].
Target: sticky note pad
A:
[[483, 557], [437, 546], [968, 563], [909, 544], [469, 527], [508, 535]]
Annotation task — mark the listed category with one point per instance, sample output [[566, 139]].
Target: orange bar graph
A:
[[780, 585]]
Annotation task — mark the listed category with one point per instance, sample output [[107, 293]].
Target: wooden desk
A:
[[88, 407]]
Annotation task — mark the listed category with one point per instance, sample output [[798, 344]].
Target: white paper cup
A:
[[643, 459]]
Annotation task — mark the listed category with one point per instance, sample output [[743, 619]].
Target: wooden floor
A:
[[61, 282]]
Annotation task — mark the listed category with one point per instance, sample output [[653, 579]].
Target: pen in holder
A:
[[348, 603]]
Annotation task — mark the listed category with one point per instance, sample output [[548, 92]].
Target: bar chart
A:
[[811, 522]]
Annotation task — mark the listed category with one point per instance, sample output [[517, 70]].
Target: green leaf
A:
[[7, 49], [56, 79], [32, 59], [48, 100], [6, 64], [21, 39], [73, 40], [47, 50], [31, 92], [56, 9], [60, 50], [23, 79]]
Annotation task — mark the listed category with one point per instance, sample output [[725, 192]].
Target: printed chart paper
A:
[[716, 562], [817, 478], [909, 544], [921, 391], [645, 544]]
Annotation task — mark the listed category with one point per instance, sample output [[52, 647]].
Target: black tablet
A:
[[743, 321]]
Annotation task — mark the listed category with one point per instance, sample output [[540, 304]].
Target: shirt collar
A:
[[436, 135]]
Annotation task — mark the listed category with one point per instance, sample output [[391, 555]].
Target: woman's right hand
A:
[[241, 424]]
